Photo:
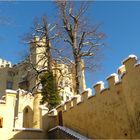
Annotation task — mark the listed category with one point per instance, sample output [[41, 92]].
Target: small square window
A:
[[9, 85]]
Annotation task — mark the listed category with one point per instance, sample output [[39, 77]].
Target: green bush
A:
[[50, 92]]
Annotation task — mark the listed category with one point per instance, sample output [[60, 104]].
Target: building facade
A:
[[111, 112], [24, 74]]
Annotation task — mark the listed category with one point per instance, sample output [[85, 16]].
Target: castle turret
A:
[[37, 58], [37, 52]]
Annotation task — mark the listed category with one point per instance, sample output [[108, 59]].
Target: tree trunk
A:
[[49, 61], [77, 66]]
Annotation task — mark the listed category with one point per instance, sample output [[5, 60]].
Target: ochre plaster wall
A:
[[113, 112], [12, 128], [7, 113]]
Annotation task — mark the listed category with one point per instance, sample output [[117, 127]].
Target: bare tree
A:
[[47, 66], [44, 35], [84, 40]]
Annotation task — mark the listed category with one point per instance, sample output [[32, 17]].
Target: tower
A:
[[37, 52], [37, 59]]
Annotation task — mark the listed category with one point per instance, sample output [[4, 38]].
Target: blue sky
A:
[[120, 22]]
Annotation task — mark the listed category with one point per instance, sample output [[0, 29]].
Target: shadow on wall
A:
[[28, 135], [1, 122], [59, 134], [113, 112], [60, 118], [47, 123]]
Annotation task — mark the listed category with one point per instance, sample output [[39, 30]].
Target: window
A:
[[62, 98], [1, 122], [71, 89], [66, 83], [27, 117], [9, 85]]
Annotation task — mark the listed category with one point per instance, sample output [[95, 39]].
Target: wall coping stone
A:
[[27, 129], [11, 91]]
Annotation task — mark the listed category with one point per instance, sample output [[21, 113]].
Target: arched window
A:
[[27, 117]]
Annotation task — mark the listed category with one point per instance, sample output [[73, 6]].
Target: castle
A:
[[23, 75], [21, 79], [111, 112]]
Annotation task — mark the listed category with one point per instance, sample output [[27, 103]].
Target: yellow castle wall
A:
[[7, 113], [5, 76], [113, 112], [23, 127]]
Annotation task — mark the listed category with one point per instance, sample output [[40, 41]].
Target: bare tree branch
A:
[[83, 41]]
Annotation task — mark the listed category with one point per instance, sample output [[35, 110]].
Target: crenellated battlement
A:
[[109, 112], [110, 109], [131, 60], [114, 81], [5, 63]]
